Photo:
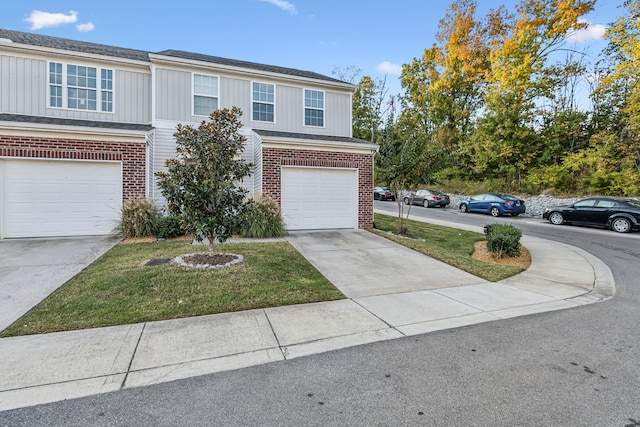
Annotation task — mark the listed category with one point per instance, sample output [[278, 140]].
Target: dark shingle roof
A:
[[74, 122], [246, 64], [295, 135], [73, 45], [139, 55]]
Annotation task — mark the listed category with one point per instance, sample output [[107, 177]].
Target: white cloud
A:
[[282, 4], [592, 32], [389, 68], [39, 19], [85, 27]]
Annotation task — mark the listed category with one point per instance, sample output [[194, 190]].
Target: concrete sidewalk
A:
[[380, 306]]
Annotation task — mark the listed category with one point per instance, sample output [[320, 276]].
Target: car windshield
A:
[[507, 197], [439, 193], [634, 203]]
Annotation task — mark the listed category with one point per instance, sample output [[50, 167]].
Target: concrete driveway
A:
[[31, 269], [361, 264]]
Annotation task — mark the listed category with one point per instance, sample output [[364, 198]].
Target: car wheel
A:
[[463, 208], [425, 203], [621, 225], [556, 218], [515, 214], [406, 200], [494, 211]]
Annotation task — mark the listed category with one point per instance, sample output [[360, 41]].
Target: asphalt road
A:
[[577, 367]]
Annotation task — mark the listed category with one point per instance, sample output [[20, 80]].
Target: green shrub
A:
[[503, 239], [262, 219], [170, 226], [139, 218]]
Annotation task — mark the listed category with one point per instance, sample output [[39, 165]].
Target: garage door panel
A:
[[60, 198], [319, 198]]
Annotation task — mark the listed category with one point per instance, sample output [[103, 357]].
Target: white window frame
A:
[[256, 101], [206, 95], [305, 108], [64, 87]]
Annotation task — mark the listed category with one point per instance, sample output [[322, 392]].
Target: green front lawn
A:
[[118, 289], [449, 245]]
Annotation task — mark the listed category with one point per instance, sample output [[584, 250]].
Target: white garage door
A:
[[43, 198], [318, 198]]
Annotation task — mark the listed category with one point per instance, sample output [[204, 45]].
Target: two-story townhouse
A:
[[84, 127]]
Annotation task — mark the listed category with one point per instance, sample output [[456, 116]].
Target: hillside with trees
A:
[[499, 99]]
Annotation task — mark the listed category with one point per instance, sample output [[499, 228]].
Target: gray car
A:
[[428, 198]]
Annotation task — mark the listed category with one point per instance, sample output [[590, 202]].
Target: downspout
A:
[[151, 161]]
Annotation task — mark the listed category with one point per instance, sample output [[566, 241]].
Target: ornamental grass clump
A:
[[262, 219], [503, 240], [139, 218]]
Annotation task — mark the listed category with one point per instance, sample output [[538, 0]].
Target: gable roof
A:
[[73, 45], [246, 64], [140, 55]]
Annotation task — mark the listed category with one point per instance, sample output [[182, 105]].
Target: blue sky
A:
[[376, 37]]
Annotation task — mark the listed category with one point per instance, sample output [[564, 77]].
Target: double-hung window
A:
[[205, 94], [79, 87], [263, 102], [313, 108]]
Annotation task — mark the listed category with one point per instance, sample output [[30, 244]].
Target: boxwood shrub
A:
[[503, 239]]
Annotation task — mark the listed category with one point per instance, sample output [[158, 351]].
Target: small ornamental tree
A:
[[201, 184]]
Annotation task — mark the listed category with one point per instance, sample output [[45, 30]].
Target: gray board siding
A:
[[173, 95], [174, 103], [140, 55], [22, 85], [24, 90]]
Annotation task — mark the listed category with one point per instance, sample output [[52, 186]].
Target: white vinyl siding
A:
[[164, 148]]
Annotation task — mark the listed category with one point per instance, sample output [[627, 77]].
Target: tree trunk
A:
[[212, 242]]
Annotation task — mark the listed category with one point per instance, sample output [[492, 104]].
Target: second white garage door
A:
[[42, 198], [319, 198]]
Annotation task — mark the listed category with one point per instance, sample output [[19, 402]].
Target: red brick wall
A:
[[273, 159], [132, 156]]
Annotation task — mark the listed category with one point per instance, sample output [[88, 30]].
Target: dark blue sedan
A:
[[494, 204]]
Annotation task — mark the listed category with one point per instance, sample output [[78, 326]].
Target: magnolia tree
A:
[[201, 183]]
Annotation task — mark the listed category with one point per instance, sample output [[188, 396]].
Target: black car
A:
[[621, 215], [383, 193], [428, 198]]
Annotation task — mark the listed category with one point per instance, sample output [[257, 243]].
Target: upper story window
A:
[[77, 87], [263, 102], [313, 108], [205, 94]]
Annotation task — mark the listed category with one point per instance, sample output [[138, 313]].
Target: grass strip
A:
[[449, 245]]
